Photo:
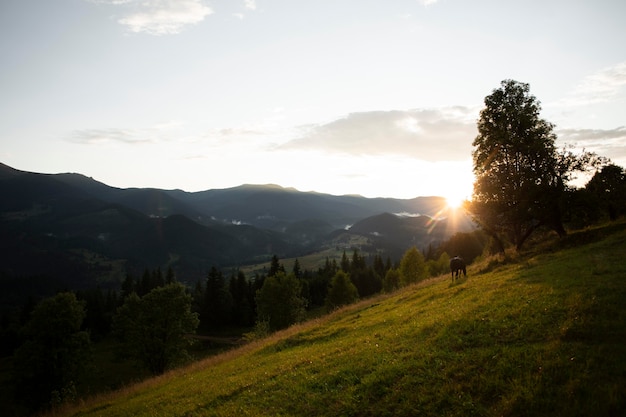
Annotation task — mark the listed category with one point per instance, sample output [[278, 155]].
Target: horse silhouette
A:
[[457, 264]]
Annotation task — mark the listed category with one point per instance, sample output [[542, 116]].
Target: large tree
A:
[[520, 175], [154, 328]]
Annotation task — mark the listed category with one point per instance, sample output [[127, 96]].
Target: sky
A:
[[372, 97]]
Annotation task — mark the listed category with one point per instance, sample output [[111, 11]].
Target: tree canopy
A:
[[608, 187], [55, 351], [153, 328], [279, 302], [520, 175], [341, 291], [412, 267]]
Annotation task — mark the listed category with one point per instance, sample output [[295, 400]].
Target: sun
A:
[[455, 201]]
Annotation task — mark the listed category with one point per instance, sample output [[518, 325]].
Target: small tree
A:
[[412, 267], [55, 351], [341, 291], [154, 328], [391, 281], [275, 267], [440, 266], [279, 302]]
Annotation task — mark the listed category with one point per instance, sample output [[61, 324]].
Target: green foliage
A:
[[153, 328], [468, 246], [608, 186], [364, 277], [54, 353], [391, 281], [216, 306], [440, 266], [275, 266], [341, 291], [243, 300], [279, 301], [412, 267]]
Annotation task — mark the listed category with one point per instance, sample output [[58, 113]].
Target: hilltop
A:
[[538, 334]]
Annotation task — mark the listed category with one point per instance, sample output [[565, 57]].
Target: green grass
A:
[[543, 335]]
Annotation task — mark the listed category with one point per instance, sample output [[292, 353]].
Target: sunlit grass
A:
[[537, 335]]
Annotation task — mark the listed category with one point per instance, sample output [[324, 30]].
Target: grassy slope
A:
[[541, 336]]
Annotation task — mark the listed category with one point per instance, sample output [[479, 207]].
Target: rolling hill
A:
[[535, 335]]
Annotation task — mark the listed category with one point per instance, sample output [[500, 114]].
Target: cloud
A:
[[109, 135], [605, 142], [249, 6], [600, 87], [160, 17], [430, 135], [160, 132], [427, 2]]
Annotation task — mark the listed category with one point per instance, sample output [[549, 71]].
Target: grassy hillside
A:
[[543, 335]]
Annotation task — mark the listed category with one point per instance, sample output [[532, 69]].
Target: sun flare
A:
[[455, 201]]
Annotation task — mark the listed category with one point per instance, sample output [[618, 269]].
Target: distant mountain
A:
[[266, 206], [395, 233], [72, 231], [272, 206]]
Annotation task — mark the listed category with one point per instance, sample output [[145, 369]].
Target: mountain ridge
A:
[[80, 219]]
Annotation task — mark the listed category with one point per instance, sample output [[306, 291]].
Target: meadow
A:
[[537, 334]]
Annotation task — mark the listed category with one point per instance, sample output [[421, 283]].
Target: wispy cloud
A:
[[602, 141], [159, 17], [127, 136], [427, 2], [429, 135], [249, 6], [109, 135], [602, 86]]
